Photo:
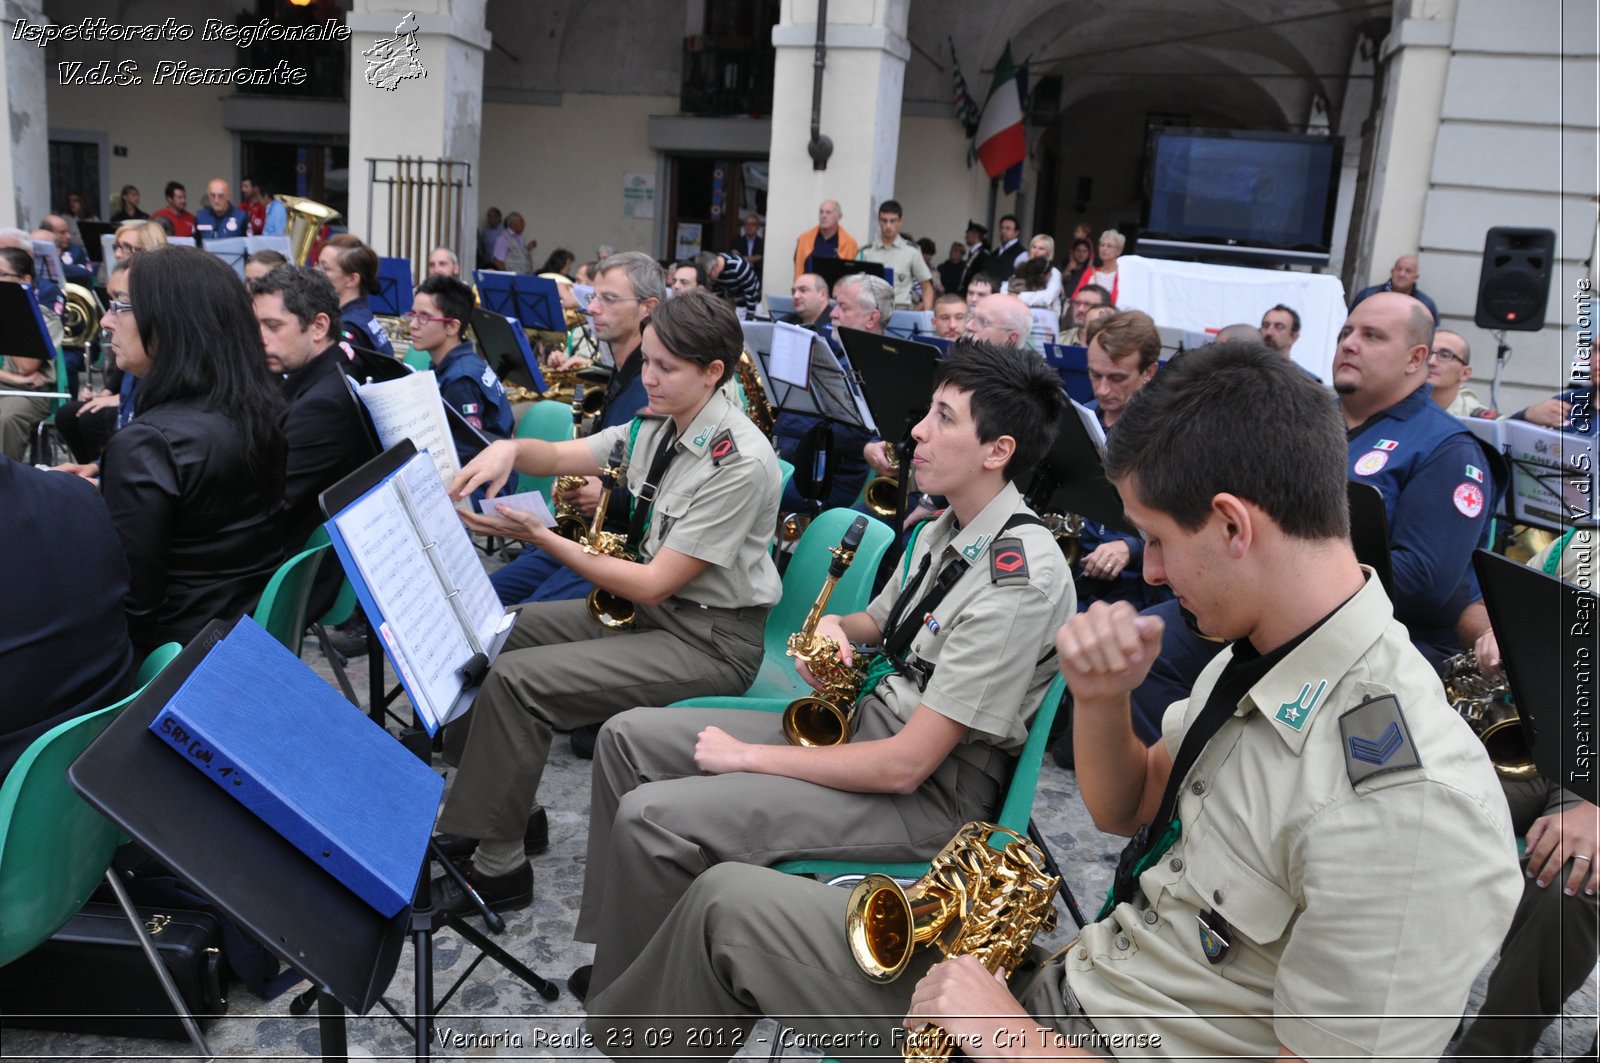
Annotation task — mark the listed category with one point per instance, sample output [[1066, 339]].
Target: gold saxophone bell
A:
[[827, 717], [975, 900], [882, 493], [756, 406], [608, 609], [306, 219], [791, 526], [1487, 707], [1068, 530], [80, 318], [569, 519]]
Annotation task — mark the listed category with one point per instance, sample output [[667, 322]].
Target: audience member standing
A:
[[1403, 279], [511, 252], [1111, 245], [895, 252]]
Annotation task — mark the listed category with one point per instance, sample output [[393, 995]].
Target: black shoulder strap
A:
[[645, 501]]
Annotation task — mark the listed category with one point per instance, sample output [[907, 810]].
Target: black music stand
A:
[[833, 270], [1072, 476], [502, 338], [298, 911], [1545, 628], [1369, 532], [896, 379], [23, 333]]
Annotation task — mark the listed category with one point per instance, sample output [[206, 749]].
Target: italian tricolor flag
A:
[[1000, 141]]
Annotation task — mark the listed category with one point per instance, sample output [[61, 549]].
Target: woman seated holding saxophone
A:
[[966, 627], [683, 620]]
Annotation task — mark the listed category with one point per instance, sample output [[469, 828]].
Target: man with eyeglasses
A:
[[1084, 300], [1450, 367], [438, 318], [628, 286], [1003, 320]]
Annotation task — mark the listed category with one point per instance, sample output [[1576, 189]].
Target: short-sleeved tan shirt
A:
[[718, 501], [991, 641], [1360, 860]]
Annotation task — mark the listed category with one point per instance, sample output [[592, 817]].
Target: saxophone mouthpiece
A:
[[854, 534]]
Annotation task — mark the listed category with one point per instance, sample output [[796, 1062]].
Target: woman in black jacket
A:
[[194, 481]]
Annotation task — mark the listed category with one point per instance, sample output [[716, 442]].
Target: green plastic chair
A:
[[54, 848], [282, 609], [776, 678], [1015, 811], [547, 420], [416, 359], [151, 666]]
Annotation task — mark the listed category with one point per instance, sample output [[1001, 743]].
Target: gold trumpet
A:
[[569, 520], [827, 717], [882, 493], [1487, 707], [975, 900], [610, 610]]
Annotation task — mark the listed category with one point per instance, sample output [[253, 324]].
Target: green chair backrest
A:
[[417, 360], [550, 421], [53, 847], [159, 658], [809, 567], [344, 606], [282, 610]]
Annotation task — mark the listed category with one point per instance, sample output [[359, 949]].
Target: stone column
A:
[[436, 115], [25, 150], [862, 90]]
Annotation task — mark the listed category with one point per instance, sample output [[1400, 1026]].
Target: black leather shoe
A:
[[501, 893], [579, 982], [583, 741], [535, 838]]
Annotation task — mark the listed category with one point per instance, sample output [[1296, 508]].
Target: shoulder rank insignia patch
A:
[[1007, 563], [722, 447], [1294, 714], [1376, 740]]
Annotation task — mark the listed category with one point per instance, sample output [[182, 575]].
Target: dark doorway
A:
[[714, 194], [319, 172], [75, 167]]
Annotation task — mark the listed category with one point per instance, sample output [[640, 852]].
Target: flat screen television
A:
[[1241, 194]]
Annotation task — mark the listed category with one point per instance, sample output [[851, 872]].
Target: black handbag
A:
[[92, 976]]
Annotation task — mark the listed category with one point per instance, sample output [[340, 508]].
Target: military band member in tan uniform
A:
[[705, 483], [675, 792], [1338, 862]]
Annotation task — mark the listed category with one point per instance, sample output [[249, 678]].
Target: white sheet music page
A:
[[790, 360], [454, 548], [410, 408], [420, 622]]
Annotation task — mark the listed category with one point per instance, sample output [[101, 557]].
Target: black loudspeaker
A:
[[1515, 282]]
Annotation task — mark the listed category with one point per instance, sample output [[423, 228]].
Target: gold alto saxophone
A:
[[975, 900], [756, 405], [610, 610], [882, 493], [1487, 707], [569, 520], [826, 717]]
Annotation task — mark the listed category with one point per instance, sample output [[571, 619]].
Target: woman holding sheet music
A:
[[705, 481], [194, 481]]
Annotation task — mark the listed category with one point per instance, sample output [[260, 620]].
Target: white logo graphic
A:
[[393, 59]]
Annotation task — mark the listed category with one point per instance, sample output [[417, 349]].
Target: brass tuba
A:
[[825, 718], [608, 609], [80, 319], [569, 521], [1487, 707], [975, 900], [306, 219], [882, 493]]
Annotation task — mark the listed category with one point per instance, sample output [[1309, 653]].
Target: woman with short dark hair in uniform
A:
[[352, 267], [705, 483]]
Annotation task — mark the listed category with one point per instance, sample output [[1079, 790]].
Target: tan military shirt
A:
[[905, 258], [718, 501], [1359, 859], [992, 641]]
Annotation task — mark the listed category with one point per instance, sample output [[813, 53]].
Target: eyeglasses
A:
[[607, 299], [1446, 355], [117, 306], [131, 249], [418, 315]]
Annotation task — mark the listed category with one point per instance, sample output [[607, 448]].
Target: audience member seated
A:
[[352, 267], [298, 314], [440, 311], [21, 414], [174, 214], [194, 482], [1105, 275], [64, 647], [1449, 368], [1085, 299], [87, 424], [627, 289]]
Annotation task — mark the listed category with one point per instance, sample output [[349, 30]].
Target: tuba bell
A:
[[826, 717], [608, 609], [882, 493], [975, 900], [80, 319], [1487, 707], [306, 219]]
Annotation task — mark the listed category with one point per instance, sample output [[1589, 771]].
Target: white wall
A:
[[940, 194], [562, 167]]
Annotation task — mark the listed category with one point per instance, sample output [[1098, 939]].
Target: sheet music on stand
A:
[[410, 407], [828, 391], [1553, 480], [417, 574]]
